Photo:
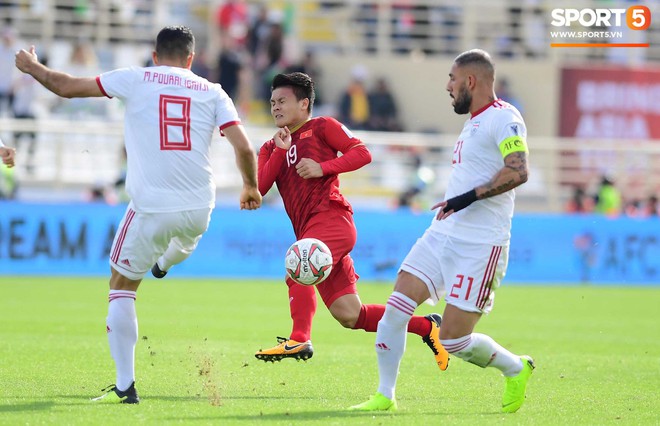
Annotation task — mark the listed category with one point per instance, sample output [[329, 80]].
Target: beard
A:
[[463, 101]]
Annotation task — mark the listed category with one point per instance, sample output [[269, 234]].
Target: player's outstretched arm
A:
[[246, 160], [514, 173], [62, 84]]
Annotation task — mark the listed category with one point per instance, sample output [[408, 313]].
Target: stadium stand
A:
[[410, 43]]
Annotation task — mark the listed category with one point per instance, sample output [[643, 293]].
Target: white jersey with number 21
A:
[[487, 137], [171, 114]]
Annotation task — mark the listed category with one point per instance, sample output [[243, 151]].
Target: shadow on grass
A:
[[301, 416], [31, 406]]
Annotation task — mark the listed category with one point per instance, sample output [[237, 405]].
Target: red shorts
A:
[[336, 229]]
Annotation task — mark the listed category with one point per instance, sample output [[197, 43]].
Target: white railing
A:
[[71, 157]]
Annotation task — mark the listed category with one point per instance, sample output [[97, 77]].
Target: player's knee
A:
[[345, 317], [346, 323]]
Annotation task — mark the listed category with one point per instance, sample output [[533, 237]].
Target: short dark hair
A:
[[175, 42], [301, 83], [477, 57]]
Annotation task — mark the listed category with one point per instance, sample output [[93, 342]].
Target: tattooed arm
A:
[[513, 174]]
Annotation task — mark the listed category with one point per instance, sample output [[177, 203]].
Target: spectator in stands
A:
[[232, 21], [383, 111], [579, 201], [83, 61], [503, 91], [421, 176], [652, 207], [354, 103], [258, 31], [230, 65], [169, 176], [8, 47], [632, 208], [201, 65], [608, 198], [271, 58]]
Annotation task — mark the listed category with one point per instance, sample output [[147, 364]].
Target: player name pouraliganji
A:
[[175, 80]]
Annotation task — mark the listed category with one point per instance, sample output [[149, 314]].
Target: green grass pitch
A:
[[596, 348]]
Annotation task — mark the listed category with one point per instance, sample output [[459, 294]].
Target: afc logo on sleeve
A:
[[515, 130]]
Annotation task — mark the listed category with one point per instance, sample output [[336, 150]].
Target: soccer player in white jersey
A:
[[7, 154], [462, 256], [170, 117]]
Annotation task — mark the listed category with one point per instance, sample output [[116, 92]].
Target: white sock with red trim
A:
[[122, 328], [391, 340], [482, 350]]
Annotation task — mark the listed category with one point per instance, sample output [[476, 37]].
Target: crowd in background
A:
[[608, 200], [254, 42]]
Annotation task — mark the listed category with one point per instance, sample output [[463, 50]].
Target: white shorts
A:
[[143, 237], [465, 273]]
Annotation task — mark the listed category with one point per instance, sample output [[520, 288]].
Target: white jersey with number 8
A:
[[171, 114]]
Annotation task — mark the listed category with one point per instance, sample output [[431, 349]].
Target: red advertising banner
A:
[[610, 103]]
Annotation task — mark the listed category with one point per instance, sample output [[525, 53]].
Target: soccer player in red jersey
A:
[[302, 160]]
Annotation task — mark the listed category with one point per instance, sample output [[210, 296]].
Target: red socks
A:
[[302, 304], [371, 314]]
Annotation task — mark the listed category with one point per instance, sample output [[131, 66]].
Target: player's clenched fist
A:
[[283, 138], [7, 154], [308, 169], [25, 59], [250, 198]]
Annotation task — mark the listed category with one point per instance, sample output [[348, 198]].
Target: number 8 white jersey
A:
[[171, 114]]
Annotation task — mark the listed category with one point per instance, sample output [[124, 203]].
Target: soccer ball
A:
[[308, 261]]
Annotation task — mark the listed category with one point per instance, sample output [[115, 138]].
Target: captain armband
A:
[[513, 144]]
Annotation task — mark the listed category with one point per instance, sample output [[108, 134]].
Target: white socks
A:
[[483, 351], [122, 331], [391, 340]]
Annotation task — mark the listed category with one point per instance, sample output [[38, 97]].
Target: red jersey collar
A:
[[479, 111]]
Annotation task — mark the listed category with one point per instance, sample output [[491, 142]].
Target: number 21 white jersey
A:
[[478, 156], [170, 117]]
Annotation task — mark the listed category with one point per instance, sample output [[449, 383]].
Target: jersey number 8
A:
[[174, 118]]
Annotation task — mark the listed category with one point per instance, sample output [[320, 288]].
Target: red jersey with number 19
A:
[[171, 114], [319, 139]]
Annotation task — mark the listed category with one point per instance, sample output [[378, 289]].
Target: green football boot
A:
[[378, 402], [514, 393]]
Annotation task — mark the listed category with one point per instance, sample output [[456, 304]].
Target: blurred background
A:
[[592, 115]]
